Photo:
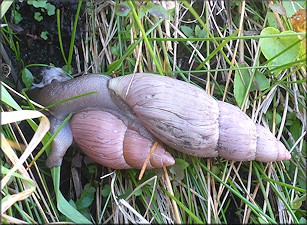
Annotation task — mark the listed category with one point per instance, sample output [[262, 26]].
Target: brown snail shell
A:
[[191, 121], [108, 141]]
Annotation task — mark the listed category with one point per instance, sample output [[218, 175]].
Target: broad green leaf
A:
[[27, 77], [5, 5], [298, 202], [7, 98], [271, 47]]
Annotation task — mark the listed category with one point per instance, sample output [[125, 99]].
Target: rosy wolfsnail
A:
[[154, 108]]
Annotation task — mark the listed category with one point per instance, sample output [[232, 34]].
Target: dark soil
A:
[[36, 50]]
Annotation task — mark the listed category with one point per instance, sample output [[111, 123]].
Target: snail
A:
[[191, 121], [92, 98], [152, 108]]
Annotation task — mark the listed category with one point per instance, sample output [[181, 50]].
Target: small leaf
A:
[[87, 197], [38, 16], [106, 190], [178, 169], [201, 33], [298, 202], [187, 30], [138, 192], [17, 17], [115, 50], [240, 86], [27, 78], [278, 8], [182, 163], [272, 22], [142, 11], [262, 82], [295, 129], [44, 35], [157, 10], [123, 9], [37, 4], [50, 9]]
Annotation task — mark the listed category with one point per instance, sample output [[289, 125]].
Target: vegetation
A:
[[248, 53]]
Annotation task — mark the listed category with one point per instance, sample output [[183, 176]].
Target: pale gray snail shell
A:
[[191, 121], [107, 140]]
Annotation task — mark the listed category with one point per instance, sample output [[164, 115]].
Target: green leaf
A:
[[87, 197], [271, 47], [37, 4], [296, 129], [157, 10], [138, 192], [292, 8], [278, 8], [122, 9], [5, 5], [178, 169], [38, 16], [262, 82], [7, 98], [44, 35], [272, 20], [240, 86], [62, 204], [186, 30], [50, 9], [17, 17], [201, 33], [142, 11], [27, 78], [182, 163], [106, 190], [115, 50]]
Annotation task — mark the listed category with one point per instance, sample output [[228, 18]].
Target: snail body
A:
[[191, 121]]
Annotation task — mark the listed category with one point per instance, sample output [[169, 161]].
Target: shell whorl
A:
[[108, 141], [191, 121]]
